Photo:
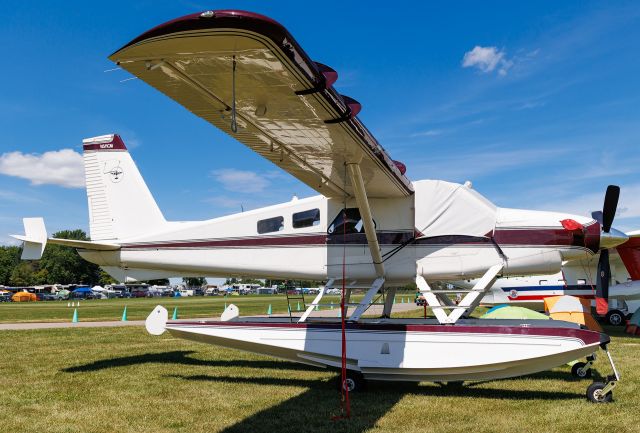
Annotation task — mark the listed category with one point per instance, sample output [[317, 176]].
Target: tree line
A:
[[59, 265]]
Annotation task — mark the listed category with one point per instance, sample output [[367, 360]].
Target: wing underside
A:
[[285, 106]]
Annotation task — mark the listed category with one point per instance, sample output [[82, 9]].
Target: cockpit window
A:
[[271, 225], [348, 221]]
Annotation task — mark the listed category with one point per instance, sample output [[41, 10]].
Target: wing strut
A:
[[365, 214], [469, 302]]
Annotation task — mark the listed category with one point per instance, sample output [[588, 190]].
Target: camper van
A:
[[245, 289], [267, 290], [211, 290]]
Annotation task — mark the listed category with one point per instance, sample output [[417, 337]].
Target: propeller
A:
[[605, 218]]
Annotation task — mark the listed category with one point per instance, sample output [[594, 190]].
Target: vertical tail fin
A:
[[120, 204], [630, 254]]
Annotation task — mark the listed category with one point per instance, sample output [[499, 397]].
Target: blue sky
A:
[[536, 103]]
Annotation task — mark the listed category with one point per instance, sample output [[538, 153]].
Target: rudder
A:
[[120, 203]]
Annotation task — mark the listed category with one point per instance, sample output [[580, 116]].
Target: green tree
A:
[[23, 275], [9, 259], [194, 281], [64, 265]]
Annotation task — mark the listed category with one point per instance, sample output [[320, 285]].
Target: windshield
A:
[[348, 221]]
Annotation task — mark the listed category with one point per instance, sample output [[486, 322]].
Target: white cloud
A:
[[59, 167], [241, 180], [584, 204], [487, 59], [428, 133], [460, 166]]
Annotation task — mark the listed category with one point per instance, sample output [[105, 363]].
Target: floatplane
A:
[[370, 227]]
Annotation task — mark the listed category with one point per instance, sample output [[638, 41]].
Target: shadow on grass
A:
[[180, 357], [500, 393], [313, 409]]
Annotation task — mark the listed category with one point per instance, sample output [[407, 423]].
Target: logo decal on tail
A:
[[113, 168]]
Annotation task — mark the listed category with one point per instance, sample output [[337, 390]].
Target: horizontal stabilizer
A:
[[86, 245], [35, 238]]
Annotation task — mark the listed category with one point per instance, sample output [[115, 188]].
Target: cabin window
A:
[[270, 225], [348, 221], [543, 282], [307, 218]]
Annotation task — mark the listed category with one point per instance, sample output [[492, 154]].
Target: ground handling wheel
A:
[[596, 393], [578, 370], [355, 381]]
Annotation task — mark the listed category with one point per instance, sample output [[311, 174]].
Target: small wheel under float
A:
[[354, 382], [597, 392], [581, 370]]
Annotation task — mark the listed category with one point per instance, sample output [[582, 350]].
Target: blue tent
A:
[[497, 307], [82, 290]]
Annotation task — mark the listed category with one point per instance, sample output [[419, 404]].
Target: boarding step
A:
[[295, 298]]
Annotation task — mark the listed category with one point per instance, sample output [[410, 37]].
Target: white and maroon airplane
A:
[[246, 75]]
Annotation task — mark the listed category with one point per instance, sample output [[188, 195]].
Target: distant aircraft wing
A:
[[286, 108]]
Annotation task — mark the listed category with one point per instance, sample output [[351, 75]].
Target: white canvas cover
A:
[[446, 208]]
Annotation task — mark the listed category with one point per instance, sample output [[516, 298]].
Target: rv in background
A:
[[245, 289], [267, 290]]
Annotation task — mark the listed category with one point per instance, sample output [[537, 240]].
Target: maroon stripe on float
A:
[[587, 336]]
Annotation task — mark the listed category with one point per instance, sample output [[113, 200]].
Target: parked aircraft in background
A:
[[369, 227], [577, 278]]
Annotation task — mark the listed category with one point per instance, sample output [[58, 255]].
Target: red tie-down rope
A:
[[345, 407]]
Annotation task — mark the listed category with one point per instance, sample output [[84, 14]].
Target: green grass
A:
[[138, 309], [122, 380]]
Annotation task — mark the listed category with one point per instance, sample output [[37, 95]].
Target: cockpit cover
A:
[[445, 208]]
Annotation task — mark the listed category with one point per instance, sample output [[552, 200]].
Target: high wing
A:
[[285, 106]]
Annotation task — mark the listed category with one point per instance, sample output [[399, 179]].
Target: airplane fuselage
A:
[[305, 239]]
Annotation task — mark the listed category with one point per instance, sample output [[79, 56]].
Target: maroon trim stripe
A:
[[510, 237], [587, 336], [241, 242], [115, 144]]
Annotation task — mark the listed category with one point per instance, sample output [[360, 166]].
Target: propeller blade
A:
[[610, 205], [602, 283], [597, 215]]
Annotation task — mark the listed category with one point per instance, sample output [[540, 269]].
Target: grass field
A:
[[122, 380], [139, 308]]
